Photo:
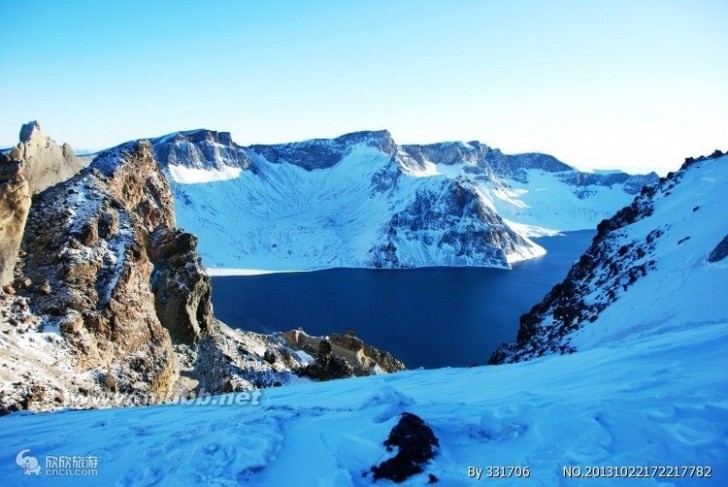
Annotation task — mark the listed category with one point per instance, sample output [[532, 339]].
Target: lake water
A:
[[433, 317]]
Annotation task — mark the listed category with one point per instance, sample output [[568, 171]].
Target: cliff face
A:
[[14, 206], [35, 164], [90, 268], [180, 285], [113, 301], [451, 227]]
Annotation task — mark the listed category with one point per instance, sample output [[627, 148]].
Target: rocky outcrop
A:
[[86, 244], [35, 164], [197, 148], [106, 269], [181, 287], [14, 206], [454, 228], [363, 359], [230, 360], [607, 265], [415, 444], [45, 163]]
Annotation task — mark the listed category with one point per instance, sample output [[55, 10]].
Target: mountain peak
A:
[[200, 149], [366, 135], [196, 136], [45, 163], [380, 139], [324, 153], [29, 129]]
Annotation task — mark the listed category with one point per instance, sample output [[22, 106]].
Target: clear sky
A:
[[632, 84]]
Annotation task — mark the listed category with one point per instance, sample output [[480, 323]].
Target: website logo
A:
[[29, 464]]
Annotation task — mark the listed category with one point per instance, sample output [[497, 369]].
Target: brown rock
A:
[[102, 293], [363, 358], [14, 207], [180, 284], [23, 282], [45, 163]]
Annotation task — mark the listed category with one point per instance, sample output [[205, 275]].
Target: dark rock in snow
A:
[[720, 251], [416, 445]]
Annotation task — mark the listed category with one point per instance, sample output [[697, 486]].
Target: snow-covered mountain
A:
[[361, 200], [659, 264]]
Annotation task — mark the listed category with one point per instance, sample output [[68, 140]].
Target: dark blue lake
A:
[[433, 317]]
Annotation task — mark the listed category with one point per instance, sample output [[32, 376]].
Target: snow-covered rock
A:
[[361, 200], [656, 265]]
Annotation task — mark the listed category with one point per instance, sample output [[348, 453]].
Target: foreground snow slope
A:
[[361, 200], [655, 399]]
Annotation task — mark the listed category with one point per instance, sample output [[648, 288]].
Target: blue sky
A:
[[630, 84]]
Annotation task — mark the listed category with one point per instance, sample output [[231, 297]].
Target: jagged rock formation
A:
[[35, 164], [180, 285], [45, 163], [233, 360], [14, 206], [451, 226], [87, 255], [197, 148], [363, 359], [362, 200], [668, 244], [326, 366]]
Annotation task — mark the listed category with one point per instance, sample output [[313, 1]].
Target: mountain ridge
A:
[[415, 150], [366, 185]]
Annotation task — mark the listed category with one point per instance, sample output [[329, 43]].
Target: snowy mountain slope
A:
[[284, 214], [532, 189], [360, 200], [656, 265], [655, 400]]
